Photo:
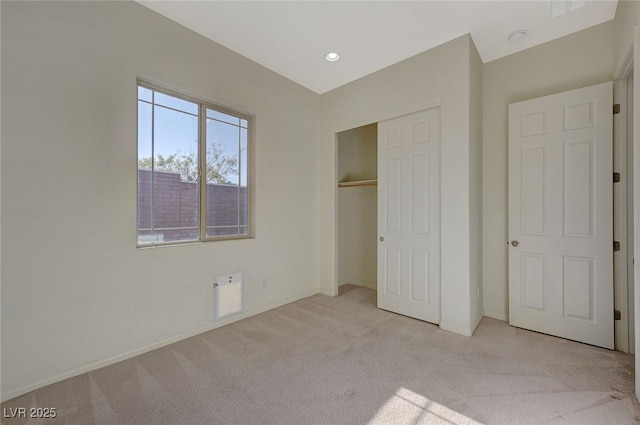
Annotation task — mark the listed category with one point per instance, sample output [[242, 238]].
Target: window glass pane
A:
[[176, 103], [144, 94], [222, 152], [224, 168], [176, 142], [144, 173], [244, 123], [222, 210], [144, 134], [243, 207], [243, 194], [211, 113], [242, 166], [175, 188]]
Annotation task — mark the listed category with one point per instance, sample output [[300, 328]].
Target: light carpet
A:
[[325, 360]]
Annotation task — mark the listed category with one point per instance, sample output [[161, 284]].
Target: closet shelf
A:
[[358, 183]]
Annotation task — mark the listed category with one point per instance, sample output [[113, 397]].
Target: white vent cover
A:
[[228, 295]]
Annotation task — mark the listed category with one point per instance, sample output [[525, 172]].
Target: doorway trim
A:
[[623, 148], [622, 288]]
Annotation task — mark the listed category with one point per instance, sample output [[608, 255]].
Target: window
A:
[[193, 169]]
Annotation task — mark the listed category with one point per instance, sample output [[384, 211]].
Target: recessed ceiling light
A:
[[517, 36], [332, 56]]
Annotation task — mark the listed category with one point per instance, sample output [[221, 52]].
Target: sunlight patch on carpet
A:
[[406, 407]]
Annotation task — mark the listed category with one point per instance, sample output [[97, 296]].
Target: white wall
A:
[[571, 62], [627, 16], [438, 76], [358, 207], [75, 290]]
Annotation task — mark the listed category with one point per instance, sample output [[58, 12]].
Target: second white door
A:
[[560, 215], [409, 215]]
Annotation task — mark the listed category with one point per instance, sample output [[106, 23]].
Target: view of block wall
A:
[[176, 207]]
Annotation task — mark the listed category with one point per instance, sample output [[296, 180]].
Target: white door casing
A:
[[561, 215], [409, 215]]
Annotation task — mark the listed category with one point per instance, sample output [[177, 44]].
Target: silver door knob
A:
[[381, 239], [515, 244]]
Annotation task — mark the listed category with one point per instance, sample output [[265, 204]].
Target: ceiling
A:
[[292, 37]]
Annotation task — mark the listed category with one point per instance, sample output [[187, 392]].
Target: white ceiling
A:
[[292, 37]]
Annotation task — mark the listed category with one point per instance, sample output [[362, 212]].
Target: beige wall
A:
[[437, 77], [76, 293], [574, 61], [476, 92], [358, 153], [358, 207], [627, 16], [357, 236]]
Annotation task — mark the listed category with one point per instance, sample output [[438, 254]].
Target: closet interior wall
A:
[[358, 206]]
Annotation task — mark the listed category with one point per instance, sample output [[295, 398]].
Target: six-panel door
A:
[[560, 215], [409, 215]]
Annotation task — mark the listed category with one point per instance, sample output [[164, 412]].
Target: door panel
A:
[[393, 205], [560, 214], [578, 287], [534, 280], [393, 269], [419, 199], [408, 215], [578, 189], [533, 191], [419, 275]]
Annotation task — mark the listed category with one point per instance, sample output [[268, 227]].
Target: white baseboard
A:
[[15, 392], [497, 316], [460, 331], [456, 330]]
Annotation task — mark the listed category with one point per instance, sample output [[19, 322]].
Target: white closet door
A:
[[409, 215], [560, 215]]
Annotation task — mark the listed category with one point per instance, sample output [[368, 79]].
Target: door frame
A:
[[623, 286], [625, 338]]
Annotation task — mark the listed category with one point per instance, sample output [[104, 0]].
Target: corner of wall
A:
[[457, 330], [476, 93], [627, 16], [317, 281]]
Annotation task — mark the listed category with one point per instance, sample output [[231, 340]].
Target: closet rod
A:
[[358, 183]]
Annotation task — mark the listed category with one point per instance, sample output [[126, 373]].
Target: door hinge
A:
[[616, 177], [616, 246], [617, 315], [616, 108]]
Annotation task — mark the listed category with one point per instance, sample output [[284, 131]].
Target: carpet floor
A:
[[340, 360]]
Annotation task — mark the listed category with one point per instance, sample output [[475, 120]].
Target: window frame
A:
[[203, 105]]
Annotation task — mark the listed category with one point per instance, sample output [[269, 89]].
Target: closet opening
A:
[[357, 219]]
